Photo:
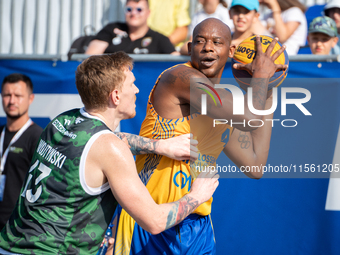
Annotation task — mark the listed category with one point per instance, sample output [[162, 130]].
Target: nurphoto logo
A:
[[238, 104]]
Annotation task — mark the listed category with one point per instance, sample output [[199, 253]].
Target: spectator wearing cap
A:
[[133, 36], [332, 10], [287, 21], [322, 36], [244, 13]]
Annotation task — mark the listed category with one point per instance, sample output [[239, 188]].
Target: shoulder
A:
[[179, 76], [110, 145], [293, 14], [35, 128], [114, 25], [33, 132], [184, 71], [155, 34]]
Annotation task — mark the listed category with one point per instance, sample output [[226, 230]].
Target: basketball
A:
[[245, 53]]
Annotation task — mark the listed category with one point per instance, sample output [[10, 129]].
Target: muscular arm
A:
[[182, 147], [138, 144], [251, 148], [111, 158], [185, 86]]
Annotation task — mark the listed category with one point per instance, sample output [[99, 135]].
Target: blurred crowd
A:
[[165, 27]]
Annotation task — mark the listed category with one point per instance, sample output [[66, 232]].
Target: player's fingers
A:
[[216, 184], [281, 67], [258, 44], [193, 142], [216, 176], [203, 174], [193, 155], [271, 47], [193, 148], [241, 66], [279, 52]]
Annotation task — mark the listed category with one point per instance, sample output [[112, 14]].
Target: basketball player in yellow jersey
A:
[[168, 115]]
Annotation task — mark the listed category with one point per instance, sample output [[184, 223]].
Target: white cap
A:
[[332, 4]]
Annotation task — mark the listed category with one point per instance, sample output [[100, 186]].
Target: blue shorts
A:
[[194, 235]]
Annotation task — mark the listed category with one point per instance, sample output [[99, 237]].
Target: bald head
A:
[[213, 26], [210, 47]]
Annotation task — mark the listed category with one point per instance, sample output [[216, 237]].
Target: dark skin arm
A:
[[250, 149]]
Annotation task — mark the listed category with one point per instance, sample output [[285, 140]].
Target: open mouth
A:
[[208, 61]]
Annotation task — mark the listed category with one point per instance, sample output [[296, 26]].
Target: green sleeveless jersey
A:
[[57, 213]]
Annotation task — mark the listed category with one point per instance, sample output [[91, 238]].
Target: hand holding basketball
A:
[[261, 55], [264, 62]]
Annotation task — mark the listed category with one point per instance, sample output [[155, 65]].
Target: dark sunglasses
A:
[[130, 9]]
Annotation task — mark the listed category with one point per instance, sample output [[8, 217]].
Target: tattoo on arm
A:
[[181, 209], [185, 75], [171, 79], [138, 144], [244, 140]]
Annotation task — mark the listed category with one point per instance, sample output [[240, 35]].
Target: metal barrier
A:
[[162, 57]]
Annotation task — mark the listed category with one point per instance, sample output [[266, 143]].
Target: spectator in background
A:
[[244, 13], [18, 140], [288, 22], [332, 10], [134, 36], [170, 18], [322, 36], [211, 9]]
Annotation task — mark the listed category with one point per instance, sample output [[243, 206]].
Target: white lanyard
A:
[[14, 139]]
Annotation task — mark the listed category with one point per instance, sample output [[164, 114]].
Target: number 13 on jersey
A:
[[45, 171]]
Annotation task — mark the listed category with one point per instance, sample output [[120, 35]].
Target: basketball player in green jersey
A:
[[81, 169]]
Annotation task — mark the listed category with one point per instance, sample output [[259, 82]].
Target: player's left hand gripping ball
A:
[[245, 54]]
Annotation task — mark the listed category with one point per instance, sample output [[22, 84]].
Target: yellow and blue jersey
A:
[[167, 179]]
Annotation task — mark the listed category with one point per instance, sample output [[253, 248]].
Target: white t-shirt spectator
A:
[[298, 38], [220, 13]]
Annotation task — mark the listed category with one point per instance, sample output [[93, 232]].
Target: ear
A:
[[232, 49], [147, 12], [189, 48], [31, 98], [115, 97], [335, 41]]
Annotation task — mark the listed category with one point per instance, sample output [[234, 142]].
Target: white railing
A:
[[50, 26]]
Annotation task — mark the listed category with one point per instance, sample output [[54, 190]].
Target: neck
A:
[[138, 32], [210, 8], [15, 124], [106, 117]]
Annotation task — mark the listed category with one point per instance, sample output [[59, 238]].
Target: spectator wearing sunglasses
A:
[[133, 36]]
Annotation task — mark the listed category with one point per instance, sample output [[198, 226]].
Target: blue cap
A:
[[324, 25], [249, 4]]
